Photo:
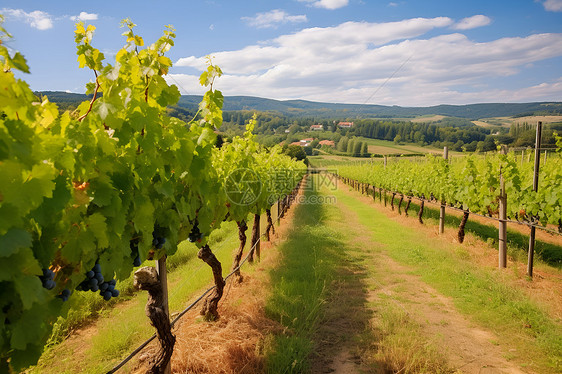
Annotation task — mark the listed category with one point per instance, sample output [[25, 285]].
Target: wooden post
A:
[[163, 277], [535, 188], [278, 212], [385, 161], [522, 156], [502, 228], [502, 255], [442, 208]]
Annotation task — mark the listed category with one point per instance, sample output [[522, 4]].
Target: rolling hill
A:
[[303, 108]]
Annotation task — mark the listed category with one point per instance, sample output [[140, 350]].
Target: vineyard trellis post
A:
[[442, 208], [535, 188], [502, 250], [163, 277]]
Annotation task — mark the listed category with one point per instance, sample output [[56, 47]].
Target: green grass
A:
[[481, 294], [321, 285], [299, 289]]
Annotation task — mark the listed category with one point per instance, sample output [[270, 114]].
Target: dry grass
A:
[[234, 344], [401, 348]]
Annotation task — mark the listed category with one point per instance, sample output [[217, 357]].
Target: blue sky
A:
[[409, 53]]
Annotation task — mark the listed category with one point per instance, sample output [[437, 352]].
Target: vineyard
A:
[[89, 195]]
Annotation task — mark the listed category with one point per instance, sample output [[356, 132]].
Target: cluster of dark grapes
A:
[[195, 234], [157, 241], [47, 279], [64, 295], [94, 282], [135, 252]]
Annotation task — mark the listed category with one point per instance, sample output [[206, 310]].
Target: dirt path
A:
[[465, 347]]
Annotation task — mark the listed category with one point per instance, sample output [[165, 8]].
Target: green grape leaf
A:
[[13, 240], [21, 262], [30, 290], [96, 224]]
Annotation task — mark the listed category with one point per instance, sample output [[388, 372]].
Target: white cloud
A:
[[348, 62], [273, 18], [553, 5], [392, 4], [472, 22], [327, 4], [36, 19], [83, 16]]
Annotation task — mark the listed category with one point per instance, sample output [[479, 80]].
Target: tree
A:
[[397, 139], [357, 145], [342, 144], [296, 152], [364, 149], [350, 145]]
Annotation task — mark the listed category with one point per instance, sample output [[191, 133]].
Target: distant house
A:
[[316, 128], [287, 131], [329, 143], [345, 125], [303, 142]]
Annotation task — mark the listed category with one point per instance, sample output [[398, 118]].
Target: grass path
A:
[[359, 292], [506, 324]]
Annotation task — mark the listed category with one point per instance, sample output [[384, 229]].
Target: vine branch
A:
[[93, 98]]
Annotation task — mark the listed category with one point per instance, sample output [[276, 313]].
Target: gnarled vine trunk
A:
[[420, 213], [254, 243], [146, 278], [270, 226], [400, 203], [392, 201], [242, 227], [407, 206], [460, 234], [210, 305]]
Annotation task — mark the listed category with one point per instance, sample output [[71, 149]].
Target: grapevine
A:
[[86, 196], [472, 184]]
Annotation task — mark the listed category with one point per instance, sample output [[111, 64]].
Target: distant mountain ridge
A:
[[303, 108]]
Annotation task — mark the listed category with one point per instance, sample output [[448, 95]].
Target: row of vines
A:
[[86, 196], [471, 183]]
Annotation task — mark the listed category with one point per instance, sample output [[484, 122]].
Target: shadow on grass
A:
[[547, 252], [311, 295]]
